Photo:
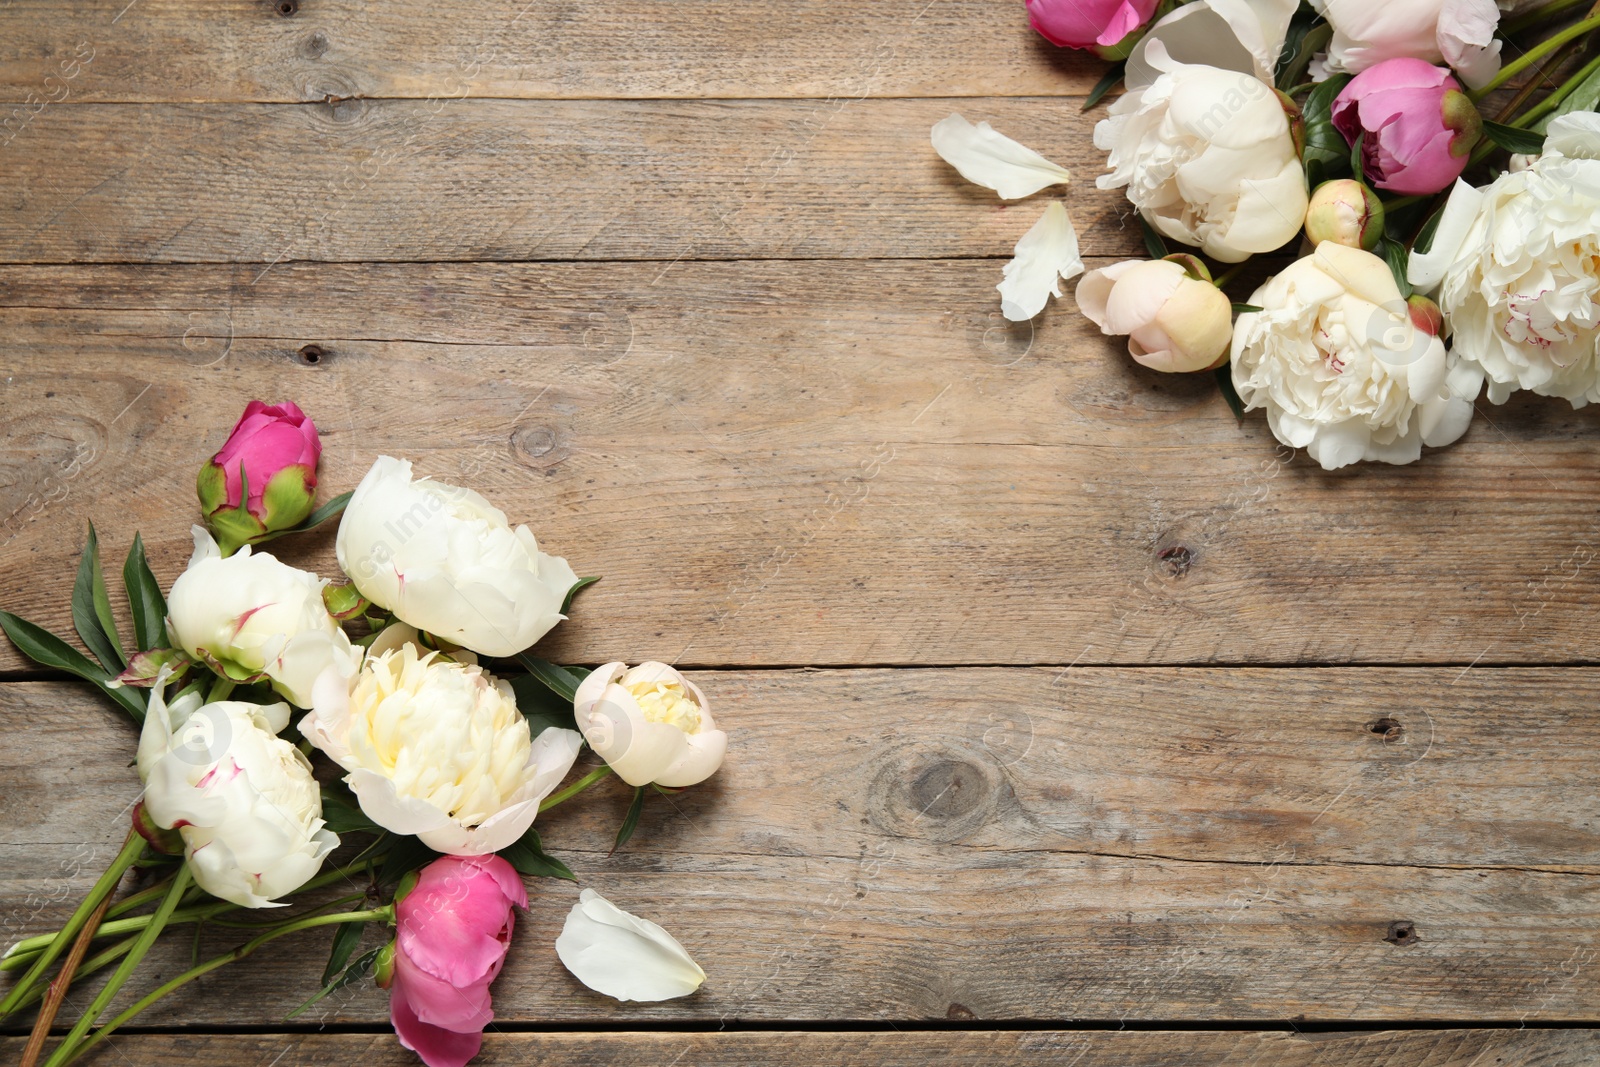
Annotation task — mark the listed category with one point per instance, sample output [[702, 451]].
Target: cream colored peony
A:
[[445, 560], [437, 748], [1340, 367], [242, 798], [650, 723], [1517, 269], [249, 615], [1207, 158]]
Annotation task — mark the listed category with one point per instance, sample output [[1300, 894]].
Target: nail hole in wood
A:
[[1177, 560], [1402, 932], [287, 8], [311, 355], [1387, 728]]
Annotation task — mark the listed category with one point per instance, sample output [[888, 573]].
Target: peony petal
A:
[[624, 956], [1575, 135], [1046, 254], [1444, 421], [699, 760], [1239, 35], [436, 1046], [993, 160], [1460, 211], [1094, 292], [1466, 39]]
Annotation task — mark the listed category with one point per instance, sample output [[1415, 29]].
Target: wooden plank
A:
[[248, 50], [1024, 1048], [792, 463], [1155, 844], [514, 180]]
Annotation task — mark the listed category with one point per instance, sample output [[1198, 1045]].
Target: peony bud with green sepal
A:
[[265, 478]]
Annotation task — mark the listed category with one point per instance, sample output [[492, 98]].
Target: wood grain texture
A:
[[248, 50], [796, 463], [513, 180], [1014, 844], [1055, 1048]]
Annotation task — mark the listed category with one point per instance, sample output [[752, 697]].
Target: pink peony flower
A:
[[1100, 25], [1417, 126], [274, 448], [452, 933]]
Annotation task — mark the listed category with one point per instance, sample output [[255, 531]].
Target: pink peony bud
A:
[[1417, 126], [1108, 27], [453, 929], [273, 451]]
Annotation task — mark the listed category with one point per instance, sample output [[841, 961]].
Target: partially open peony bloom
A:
[[249, 615], [623, 956], [446, 561], [1174, 320], [1101, 25], [274, 448], [437, 748], [1417, 127], [1342, 366], [650, 723], [452, 932], [1458, 33], [1207, 157], [242, 798], [1517, 270]]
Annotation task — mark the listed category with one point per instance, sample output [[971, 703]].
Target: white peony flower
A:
[[650, 723], [446, 561], [250, 615], [242, 798], [437, 748], [1335, 359], [1174, 321], [1046, 254], [1458, 33], [622, 955], [993, 160], [1517, 267], [1207, 157]]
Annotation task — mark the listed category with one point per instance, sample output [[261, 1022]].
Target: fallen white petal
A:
[[622, 955], [993, 160], [1045, 255]]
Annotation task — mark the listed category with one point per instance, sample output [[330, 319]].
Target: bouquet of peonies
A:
[[445, 764], [1246, 122]]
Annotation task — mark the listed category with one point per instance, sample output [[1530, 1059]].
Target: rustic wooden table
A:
[[1073, 723]]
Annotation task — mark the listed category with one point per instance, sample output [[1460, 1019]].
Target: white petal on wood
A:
[[1045, 255], [991, 159]]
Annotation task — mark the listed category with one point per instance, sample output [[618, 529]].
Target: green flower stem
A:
[[575, 788], [139, 899], [1556, 96], [1534, 54], [1228, 275], [220, 690], [139, 922], [22, 951], [384, 914], [88, 966], [1537, 15], [64, 937], [136, 952]]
